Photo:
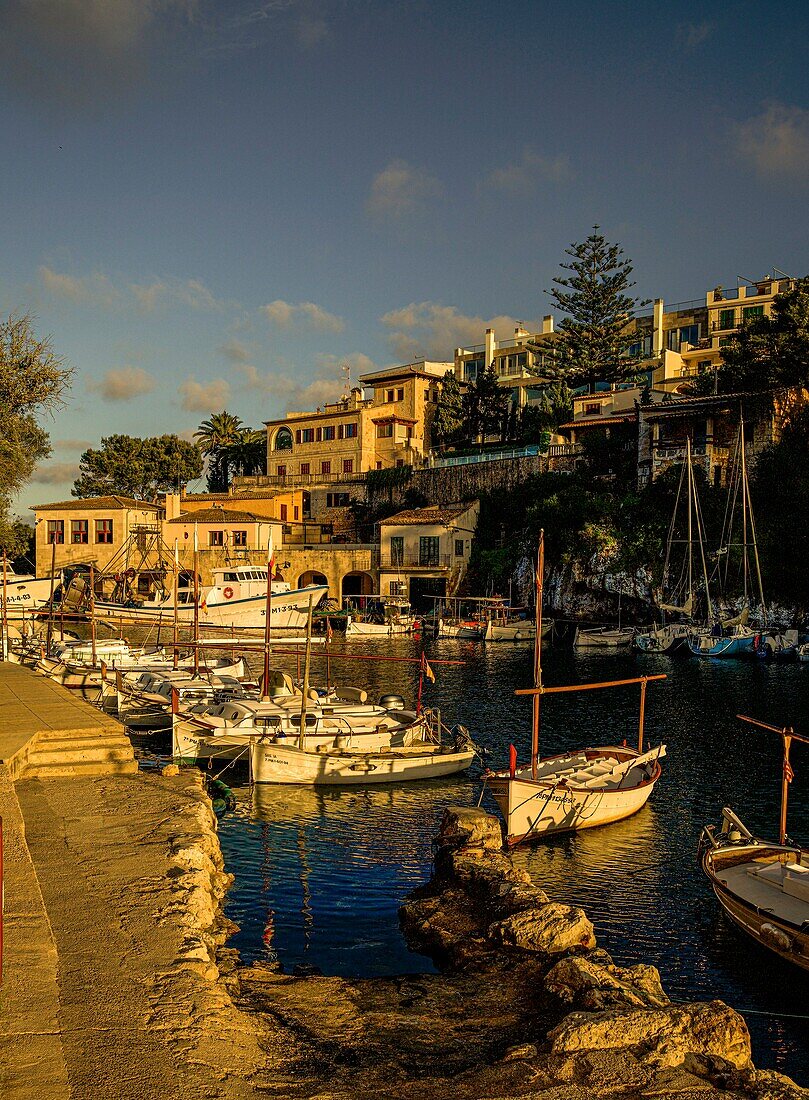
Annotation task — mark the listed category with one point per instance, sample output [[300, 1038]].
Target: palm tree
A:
[[216, 436], [248, 455]]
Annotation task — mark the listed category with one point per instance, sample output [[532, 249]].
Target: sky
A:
[[215, 204]]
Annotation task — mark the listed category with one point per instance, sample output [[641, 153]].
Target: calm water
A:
[[320, 874]]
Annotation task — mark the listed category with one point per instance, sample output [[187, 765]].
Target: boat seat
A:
[[769, 872], [796, 881]]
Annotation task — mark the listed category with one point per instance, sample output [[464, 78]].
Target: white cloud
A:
[[123, 383], [400, 189], [294, 394], [204, 396], [235, 351], [55, 473], [435, 330], [88, 290], [532, 169], [188, 292], [302, 314], [692, 35], [776, 142]]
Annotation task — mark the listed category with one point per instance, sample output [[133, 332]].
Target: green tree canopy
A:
[[447, 422], [593, 338], [33, 379], [485, 406], [140, 468], [768, 352], [248, 455], [216, 437]]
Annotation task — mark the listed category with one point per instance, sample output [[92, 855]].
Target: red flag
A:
[[789, 774], [512, 761], [329, 632]]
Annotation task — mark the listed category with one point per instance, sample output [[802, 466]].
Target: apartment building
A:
[[89, 531], [384, 424]]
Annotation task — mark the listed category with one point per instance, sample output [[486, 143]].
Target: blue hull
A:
[[724, 647]]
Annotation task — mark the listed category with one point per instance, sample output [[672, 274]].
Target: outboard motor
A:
[[392, 702]]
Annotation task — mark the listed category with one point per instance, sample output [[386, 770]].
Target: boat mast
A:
[[92, 614], [788, 735], [690, 515], [265, 689], [196, 601], [49, 631], [175, 592], [693, 502], [537, 656], [306, 666], [4, 655], [748, 505]]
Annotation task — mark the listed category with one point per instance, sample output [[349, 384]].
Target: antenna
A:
[[346, 372]]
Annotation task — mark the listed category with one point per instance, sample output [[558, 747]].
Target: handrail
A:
[[590, 687]]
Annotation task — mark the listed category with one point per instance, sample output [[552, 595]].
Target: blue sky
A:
[[213, 205]]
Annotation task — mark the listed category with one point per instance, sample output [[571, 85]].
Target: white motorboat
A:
[[22, 594], [576, 790], [603, 638], [663, 639], [380, 616], [271, 762], [145, 701]]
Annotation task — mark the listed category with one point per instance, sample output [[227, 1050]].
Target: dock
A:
[[105, 989]]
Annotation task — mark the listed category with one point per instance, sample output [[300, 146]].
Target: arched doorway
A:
[[357, 584], [311, 576]]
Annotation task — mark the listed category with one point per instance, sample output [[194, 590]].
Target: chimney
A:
[[172, 505], [488, 344], [547, 324], [657, 338]]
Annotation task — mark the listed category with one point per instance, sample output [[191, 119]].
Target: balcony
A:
[[416, 561], [292, 481]]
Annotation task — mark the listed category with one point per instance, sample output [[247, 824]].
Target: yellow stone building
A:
[[350, 437], [88, 531]]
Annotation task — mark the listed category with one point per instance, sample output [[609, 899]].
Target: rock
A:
[[479, 871], [551, 929], [660, 1037], [519, 1052], [469, 827], [170, 770], [306, 970], [585, 983]]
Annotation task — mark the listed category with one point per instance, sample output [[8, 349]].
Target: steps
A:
[[99, 750]]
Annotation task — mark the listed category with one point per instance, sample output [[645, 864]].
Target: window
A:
[[348, 465], [240, 538], [304, 468], [389, 395], [283, 513], [397, 588], [328, 433], [298, 436], [749, 312], [396, 549], [56, 530], [725, 340], [295, 512], [337, 500], [308, 435], [727, 318], [78, 530], [282, 471], [459, 548], [400, 394], [351, 431], [325, 467], [384, 431], [428, 550], [283, 440], [592, 409], [379, 465], [318, 435], [399, 462], [104, 530], [216, 538]]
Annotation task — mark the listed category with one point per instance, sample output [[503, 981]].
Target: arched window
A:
[[283, 440]]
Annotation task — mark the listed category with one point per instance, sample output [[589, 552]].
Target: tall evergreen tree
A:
[[593, 339], [216, 435], [485, 405], [447, 422]]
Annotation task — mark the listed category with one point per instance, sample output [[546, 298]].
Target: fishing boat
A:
[[379, 616], [575, 790], [22, 594], [603, 638], [761, 885], [505, 623]]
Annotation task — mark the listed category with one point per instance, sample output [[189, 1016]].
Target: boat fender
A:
[[227, 593], [774, 937]]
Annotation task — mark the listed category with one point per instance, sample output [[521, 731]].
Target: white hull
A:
[[289, 611], [379, 630], [25, 595], [603, 638], [272, 763], [561, 802], [470, 631], [511, 632]]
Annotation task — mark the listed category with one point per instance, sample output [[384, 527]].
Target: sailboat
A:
[[763, 886], [670, 637], [734, 637], [579, 789]]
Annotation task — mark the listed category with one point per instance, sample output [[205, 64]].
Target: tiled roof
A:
[[600, 421], [218, 515], [436, 513], [113, 501]]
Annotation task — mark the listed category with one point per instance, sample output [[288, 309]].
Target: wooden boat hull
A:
[[513, 632], [534, 809], [787, 939], [377, 630], [272, 763], [470, 631], [609, 640]]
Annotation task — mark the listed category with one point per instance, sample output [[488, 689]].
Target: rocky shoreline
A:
[[524, 1004]]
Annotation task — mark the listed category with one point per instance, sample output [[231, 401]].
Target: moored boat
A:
[[602, 637]]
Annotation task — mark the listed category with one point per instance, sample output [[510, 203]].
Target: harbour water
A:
[[320, 874]]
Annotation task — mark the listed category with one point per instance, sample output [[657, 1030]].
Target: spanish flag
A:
[[425, 668]]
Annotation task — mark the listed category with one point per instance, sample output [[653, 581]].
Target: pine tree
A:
[[447, 422], [594, 337]]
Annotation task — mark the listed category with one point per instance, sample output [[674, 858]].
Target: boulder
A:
[[469, 827], [551, 929], [583, 982], [675, 1035]]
